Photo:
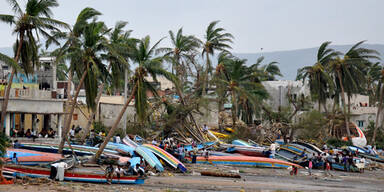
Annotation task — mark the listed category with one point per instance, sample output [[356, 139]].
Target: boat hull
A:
[[246, 161], [22, 171]]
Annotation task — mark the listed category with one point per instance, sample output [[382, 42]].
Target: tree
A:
[[148, 65], [37, 17], [320, 82], [120, 44], [216, 39], [238, 81], [4, 144], [349, 77], [180, 53], [83, 49]]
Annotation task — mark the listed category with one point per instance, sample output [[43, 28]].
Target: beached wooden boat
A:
[[149, 157], [91, 175], [245, 161], [29, 157], [248, 150], [165, 156]]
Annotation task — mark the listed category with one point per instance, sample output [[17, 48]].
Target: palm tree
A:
[[83, 52], [183, 47], [378, 96], [142, 55], [349, 73], [37, 17], [239, 83], [320, 82], [216, 39], [268, 72], [4, 144], [120, 44]]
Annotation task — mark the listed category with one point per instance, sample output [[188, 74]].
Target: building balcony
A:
[[30, 94], [363, 110]]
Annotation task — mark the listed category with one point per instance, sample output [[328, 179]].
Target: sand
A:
[[253, 179]]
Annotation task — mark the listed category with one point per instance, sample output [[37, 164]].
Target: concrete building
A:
[[278, 91], [33, 97]]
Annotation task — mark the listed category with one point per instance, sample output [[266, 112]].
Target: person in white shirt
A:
[[119, 171], [72, 132], [118, 139], [273, 150], [205, 128], [154, 142]]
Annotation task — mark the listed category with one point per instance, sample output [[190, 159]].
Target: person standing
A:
[[310, 165], [272, 148], [328, 168], [109, 173], [72, 132]]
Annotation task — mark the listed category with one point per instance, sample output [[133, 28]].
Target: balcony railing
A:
[[30, 94]]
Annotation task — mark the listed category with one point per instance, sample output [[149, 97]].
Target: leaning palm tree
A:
[[35, 19], [216, 39], [120, 44], [320, 82], [143, 55], [85, 61], [348, 72], [179, 54]]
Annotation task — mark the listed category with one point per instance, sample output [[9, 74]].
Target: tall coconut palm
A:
[[239, 83], [380, 97], [183, 47], [120, 44], [85, 60], [148, 65], [35, 19], [348, 72], [320, 82], [216, 39]]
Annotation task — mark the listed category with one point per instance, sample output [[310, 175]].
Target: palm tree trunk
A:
[[9, 86], [379, 109], [319, 103], [93, 113], [205, 78], [344, 107], [234, 109], [68, 121], [115, 124]]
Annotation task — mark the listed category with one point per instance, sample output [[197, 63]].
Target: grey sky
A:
[[269, 24]]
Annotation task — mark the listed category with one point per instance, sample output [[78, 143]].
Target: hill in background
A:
[[289, 61]]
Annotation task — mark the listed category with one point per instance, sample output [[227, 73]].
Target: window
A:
[[75, 117], [360, 123]]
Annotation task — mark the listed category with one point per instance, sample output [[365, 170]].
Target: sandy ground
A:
[[253, 179]]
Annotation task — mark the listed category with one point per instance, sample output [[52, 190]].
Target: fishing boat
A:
[[245, 161], [149, 157], [91, 175], [79, 150], [248, 150], [32, 158], [165, 156]]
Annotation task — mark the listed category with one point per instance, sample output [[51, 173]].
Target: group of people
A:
[[44, 133], [330, 157], [125, 170]]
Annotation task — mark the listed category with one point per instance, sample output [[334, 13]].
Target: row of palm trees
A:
[[337, 74], [98, 56]]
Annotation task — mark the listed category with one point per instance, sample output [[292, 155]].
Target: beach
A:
[[252, 179]]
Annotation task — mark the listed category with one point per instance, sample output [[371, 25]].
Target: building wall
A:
[[109, 113], [362, 120]]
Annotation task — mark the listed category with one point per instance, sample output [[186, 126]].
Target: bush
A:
[[338, 143]]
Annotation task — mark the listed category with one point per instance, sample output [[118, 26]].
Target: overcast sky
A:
[[269, 24]]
